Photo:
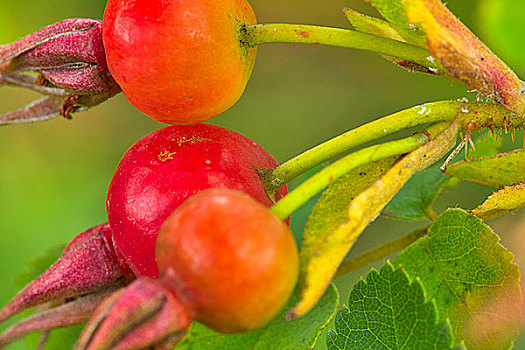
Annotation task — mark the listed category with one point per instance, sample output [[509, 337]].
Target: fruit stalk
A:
[[258, 34], [299, 196]]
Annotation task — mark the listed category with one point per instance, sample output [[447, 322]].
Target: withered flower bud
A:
[[64, 61]]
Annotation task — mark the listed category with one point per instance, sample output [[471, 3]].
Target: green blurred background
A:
[[54, 174]]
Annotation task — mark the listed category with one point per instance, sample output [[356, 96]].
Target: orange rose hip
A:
[[179, 61], [232, 261]]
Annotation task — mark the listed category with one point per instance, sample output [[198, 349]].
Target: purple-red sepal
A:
[[144, 314], [65, 62], [88, 264]]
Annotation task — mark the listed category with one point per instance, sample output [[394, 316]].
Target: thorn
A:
[[471, 143], [468, 128], [44, 336]]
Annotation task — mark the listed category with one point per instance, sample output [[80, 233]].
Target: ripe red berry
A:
[[229, 258], [167, 166], [179, 61]]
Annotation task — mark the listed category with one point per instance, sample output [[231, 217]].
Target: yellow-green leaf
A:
[[500, 170], [465, 56], [376, 26], [321, 249], [391, 10], [502, 201], [386, 29], [322, 253]]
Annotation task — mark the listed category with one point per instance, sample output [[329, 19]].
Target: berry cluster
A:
[[189, 233]]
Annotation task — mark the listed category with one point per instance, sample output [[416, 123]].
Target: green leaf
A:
[[297, 334], [468, 273], [505, 200], [414, 201], [388, 311], [498, 171], [391, 10], [501, 23]]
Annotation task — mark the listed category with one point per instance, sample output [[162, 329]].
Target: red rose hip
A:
[[167, 166]]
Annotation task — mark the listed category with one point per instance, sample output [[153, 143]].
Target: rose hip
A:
[[225, 261], [167, 166], [232, 261], [179, 61]]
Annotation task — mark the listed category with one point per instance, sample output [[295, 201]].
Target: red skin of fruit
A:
[[232, 261], [179, 61], [167, 166]]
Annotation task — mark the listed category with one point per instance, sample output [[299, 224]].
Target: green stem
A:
[[380, 252], [258, 34], [300, 195], [471, 115]]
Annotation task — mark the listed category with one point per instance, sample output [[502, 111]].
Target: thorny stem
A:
[[471, 115], [258, 34], [380, 252]]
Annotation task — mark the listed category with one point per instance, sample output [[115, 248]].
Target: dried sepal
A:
[[144, 314], [65, 61], [68, 314]]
